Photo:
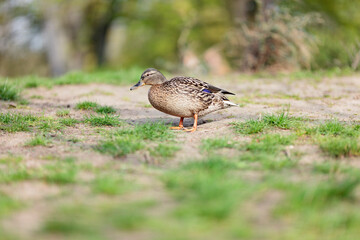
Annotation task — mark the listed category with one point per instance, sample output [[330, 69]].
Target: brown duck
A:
[[183, 96]]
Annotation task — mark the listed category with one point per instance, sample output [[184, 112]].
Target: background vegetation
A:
[[56, 36]]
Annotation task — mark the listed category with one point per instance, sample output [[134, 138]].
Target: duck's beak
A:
[[139, 84]]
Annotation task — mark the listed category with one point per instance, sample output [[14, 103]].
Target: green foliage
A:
[[8, 92], [105, 120]]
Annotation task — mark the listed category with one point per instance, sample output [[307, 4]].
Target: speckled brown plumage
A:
[[183, 96]]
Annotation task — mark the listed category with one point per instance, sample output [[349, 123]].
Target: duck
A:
[[184, 97]]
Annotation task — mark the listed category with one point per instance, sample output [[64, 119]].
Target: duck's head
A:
[[151, 76]]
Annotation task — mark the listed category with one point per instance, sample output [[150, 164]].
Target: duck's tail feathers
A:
[[230, 103]]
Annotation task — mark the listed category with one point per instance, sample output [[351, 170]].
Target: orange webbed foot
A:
[[177, 128]]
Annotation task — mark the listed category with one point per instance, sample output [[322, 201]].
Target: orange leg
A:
[[193, 129], [181, 126]]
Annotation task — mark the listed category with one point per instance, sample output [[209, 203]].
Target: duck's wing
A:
[[193, 83]]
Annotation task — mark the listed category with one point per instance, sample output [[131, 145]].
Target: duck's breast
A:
[[172, 102]]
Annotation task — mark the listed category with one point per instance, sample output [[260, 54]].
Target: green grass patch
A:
[[131, 139], [340, 146], [119, 77], [8, 92], [38, 141], [210, 144], [165, 150], [206, 189], [281, 121], [15, 122], [104, 120], [7, 205], [120, 146], [334, 128], [105, 110], [61, 172], [63, 113], [110, 184], [148, 131], [86, 105], [68, 122]]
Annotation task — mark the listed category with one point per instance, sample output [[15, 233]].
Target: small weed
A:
[[105, 120], [37, 141], [86, 105], [105, 110], [63, 113], [9, 92], [282, 120], [216, 143]]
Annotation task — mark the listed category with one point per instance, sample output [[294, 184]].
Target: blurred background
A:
[[52, 37]]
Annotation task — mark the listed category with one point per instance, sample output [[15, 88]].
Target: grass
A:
[[113, 184], [205, 188], [7, 205], [334, 128], [340, 146], [87, 105], [15, 122], [105, 120], [105, 110], [280, 121], [8, 92], [210, 144], [37, 141], [118, 77], [165, 150], [131, 139], [63, 113], [119, 146]]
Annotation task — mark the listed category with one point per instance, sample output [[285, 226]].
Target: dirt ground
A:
[[336, 98]]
